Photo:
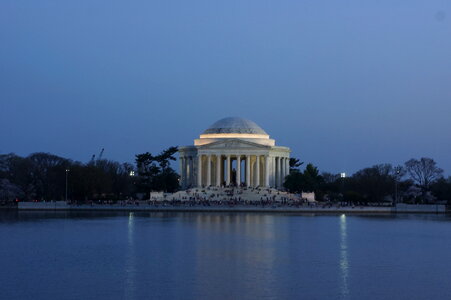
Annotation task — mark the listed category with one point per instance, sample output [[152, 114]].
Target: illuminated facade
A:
[[234, 151]]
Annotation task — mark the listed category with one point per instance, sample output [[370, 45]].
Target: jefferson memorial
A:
[[234, 152]]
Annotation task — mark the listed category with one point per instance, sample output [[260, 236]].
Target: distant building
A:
[[234, 151]]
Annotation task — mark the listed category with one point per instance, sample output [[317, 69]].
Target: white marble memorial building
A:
[[234, 151]]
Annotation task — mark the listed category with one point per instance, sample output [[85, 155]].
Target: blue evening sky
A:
[[345, 84]]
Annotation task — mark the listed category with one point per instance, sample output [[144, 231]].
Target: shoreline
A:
[[399, 209]]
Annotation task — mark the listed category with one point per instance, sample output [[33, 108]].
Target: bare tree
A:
[[423, 172], [9, 191]]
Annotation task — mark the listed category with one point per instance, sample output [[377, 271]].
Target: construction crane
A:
[[93, 157], [100, 155]]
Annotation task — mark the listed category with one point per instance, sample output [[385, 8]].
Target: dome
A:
[[235, 125], [234, 128]]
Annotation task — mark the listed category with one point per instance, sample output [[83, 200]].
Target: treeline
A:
[[417, 181], [42, 177]]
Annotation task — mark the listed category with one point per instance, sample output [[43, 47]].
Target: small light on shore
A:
[[343, 175]]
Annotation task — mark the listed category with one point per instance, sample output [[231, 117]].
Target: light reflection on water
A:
[[344, 264], [130, 263], [246, 242], [223, 256]]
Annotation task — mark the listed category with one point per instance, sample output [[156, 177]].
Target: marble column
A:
[[280, 172], [287, 166], [181, 170], [266, 171], [218, 170], [209, 170], [273, 171], [238, 170], [191, 171], [248, 171], [199, 170], [257, 171], [276, 174], [228, 170], [184, 172]]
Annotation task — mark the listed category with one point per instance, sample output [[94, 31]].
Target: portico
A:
[[234, 151]]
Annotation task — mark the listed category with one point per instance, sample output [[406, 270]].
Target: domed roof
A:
[[234, 125]]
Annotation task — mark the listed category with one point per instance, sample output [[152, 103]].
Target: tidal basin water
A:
[[47, 255]]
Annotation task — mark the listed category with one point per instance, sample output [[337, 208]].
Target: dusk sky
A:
[[344, 84]]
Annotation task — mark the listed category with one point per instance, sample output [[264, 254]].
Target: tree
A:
[[18, 171], [155, 173], [41, 176], [48, 175], [307, 181], [424, 173], [295, 164], [374, 183], [353, 197], [332, 186], [441, 189], [9, 191], [147, 172], [294, 182], [312, 178], [164, 158]]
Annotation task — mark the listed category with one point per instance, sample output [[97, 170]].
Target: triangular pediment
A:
[[234, 144]]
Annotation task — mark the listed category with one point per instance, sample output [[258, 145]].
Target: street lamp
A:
[[398, 172], [342, 187], [67, 172]]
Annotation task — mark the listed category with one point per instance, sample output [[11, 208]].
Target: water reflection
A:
[[223, 256], [245, 244], [130, 263], [344, 265]]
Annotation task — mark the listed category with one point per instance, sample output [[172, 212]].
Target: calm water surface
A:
[[223, 256]]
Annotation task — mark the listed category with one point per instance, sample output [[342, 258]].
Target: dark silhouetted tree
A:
[[374, 183], [441, 189], [9, 191], [307, 181], [18, 172], [48, 175], [294, 182], [331, 186], [295, 164], [155, 173], [424, 173]]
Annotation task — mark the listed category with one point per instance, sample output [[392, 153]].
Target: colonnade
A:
[[186, 167], [250, 170]]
